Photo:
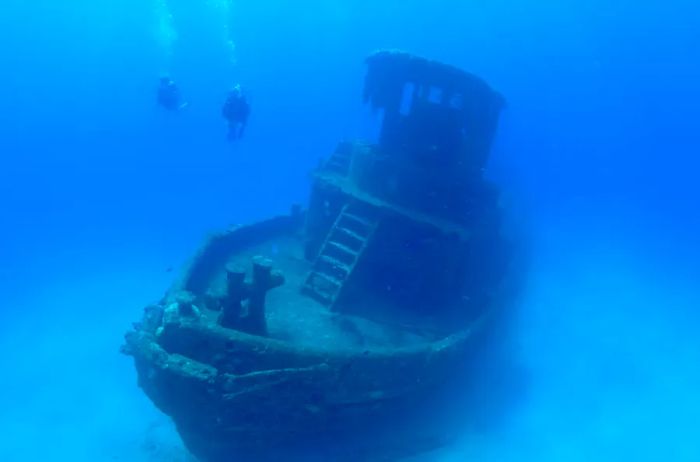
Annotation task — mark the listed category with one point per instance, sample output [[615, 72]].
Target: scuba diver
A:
[[169, 95], [236, 110]]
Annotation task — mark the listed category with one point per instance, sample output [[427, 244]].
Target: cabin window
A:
[[435, 95], [409, 90], [457, 102]]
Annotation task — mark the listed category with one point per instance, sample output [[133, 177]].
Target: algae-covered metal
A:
[[323, 332]]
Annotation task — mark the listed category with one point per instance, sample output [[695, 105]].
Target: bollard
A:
[[236, 292]]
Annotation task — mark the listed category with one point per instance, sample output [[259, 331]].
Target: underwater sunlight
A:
[[335, 231]]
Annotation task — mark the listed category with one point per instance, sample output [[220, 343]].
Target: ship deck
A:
[[296, 318]]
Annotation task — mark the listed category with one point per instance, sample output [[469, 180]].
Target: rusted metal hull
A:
[[236, 396]]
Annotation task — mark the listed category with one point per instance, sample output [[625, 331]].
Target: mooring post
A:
[[236, 292], [264, 279], [262, 271]]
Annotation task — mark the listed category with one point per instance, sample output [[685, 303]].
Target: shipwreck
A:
[[316, 334]]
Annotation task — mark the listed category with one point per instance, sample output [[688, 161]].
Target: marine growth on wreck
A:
[[326, 327]]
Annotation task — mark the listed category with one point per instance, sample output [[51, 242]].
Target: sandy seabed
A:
[[609, 345]]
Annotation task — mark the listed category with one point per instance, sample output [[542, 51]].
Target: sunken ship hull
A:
[[231, 392], [330, 332]]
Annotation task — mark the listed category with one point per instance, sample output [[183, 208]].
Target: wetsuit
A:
[[236, 111]]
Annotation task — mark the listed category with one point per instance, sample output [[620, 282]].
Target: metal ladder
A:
[[339, 162], [340, 253]]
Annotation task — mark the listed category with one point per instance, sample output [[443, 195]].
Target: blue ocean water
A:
[[102, 193]]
